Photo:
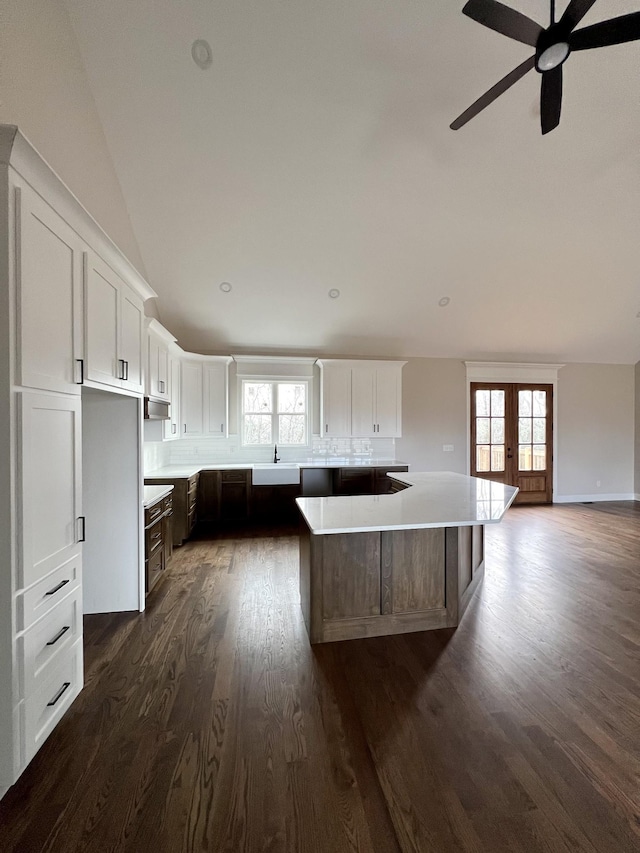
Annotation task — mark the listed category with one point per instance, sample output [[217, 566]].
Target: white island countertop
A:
[[433, 499]]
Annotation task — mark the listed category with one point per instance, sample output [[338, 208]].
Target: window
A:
[[275, 412]]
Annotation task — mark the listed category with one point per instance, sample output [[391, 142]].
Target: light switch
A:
[[448, 448]]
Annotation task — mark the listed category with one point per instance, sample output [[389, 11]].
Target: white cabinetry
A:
[[158, 381], [361, 399], [203, 396], [171, 427], [114, 323]]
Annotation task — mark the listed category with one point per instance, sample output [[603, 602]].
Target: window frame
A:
[[274, 381]]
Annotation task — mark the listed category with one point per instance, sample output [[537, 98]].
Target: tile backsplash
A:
[[214, 450]]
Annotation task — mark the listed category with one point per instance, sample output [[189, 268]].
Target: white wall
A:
[[596, 430], [44, 90], [637, 431]]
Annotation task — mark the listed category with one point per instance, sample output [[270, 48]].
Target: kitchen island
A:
[[388, 564]]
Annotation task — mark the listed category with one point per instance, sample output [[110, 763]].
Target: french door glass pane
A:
[[482, 404], [497, 430], [524, 457], [497, 404], [482, 431], [539, 430], [483, 457], [539, 404], [539, 457], [524, 404], [497, 457], [524, 430]]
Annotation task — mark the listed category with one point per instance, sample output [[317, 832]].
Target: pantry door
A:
[[512, 437]]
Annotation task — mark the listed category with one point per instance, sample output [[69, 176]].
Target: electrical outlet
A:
[[448, 448], [598, 483]]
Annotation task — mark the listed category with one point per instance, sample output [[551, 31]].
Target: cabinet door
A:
[[336, 401], [388, 414], [48, 296], [191, 402], [363, 384], [51, 478], [158, 368], [215, 398], [102, 310], [171, 427], [130, 348]]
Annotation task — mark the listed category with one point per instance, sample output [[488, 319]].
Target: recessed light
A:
[[202, 53], [334, 293], [225, 287], [444, 301]]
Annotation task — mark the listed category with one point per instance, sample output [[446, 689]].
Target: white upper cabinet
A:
[[335, 400], [361, 399], [48, 297], [114, 325], [203, 396], [171, 427], [158, 381]]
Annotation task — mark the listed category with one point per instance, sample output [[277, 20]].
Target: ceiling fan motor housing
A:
[[552, 48]]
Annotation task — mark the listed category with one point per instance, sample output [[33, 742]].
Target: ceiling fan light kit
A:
[[553, 46]]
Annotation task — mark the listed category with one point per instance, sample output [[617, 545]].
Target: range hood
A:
[[155, 410]]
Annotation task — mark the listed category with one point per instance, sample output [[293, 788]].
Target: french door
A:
[[512, 437]]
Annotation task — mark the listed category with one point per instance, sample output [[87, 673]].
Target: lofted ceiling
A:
[[315, 153]]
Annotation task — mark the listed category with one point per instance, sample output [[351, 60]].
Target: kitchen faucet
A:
[[276, 458]]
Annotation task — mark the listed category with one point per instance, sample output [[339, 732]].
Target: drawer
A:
[[43, 709], [153, 512], [167, 504], [49, 640], [191, 521], [234, 476], [192, 484], [33, 603], [154, 568], [153, 537]]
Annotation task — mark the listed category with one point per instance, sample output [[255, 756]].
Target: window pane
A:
[[497, 430], [257, 429], [291, 429], [524, 457], [482, 431], [291, 397], [524, 404], [539, 430], [482, 404], [497, 457], [539, 404], [257, 397], [497, 404], [483, 459], [524, 430], [539, 457]]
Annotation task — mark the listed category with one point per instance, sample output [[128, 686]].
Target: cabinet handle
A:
[[174, 429], [58, 694], [59, 587], [82, 520], [60, 633], [221, 427], [326, 427], [185, 428], [80, 361], [121, 363], [126, 369]]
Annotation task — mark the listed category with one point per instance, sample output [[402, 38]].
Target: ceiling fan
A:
[[553, 46]]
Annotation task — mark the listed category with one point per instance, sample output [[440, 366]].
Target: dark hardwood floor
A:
[[209, 724]]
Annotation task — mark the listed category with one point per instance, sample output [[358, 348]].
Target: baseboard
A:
[[576, 499]]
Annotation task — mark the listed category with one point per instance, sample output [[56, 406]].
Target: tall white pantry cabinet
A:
[[50, 248]]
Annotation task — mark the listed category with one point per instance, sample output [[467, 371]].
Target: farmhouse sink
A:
[[275, 473]]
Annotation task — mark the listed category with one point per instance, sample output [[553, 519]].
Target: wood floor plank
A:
[[208, 723]]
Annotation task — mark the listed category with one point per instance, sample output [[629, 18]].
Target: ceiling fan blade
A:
[[493, 93], [503, 20], [551, 99], [575, 12], [615, 31]]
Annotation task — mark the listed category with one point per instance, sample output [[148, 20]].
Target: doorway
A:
[[512, 437]]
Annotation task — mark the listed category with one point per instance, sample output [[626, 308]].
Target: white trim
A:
[[496, 371], [599, 498]]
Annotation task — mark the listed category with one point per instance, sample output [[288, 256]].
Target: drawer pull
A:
[[157, 536], [58, 694], [60, 634], [56, 588]]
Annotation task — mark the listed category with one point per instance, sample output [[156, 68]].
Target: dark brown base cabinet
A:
[[387, 582], [185, 494], [158, 539], [224, 496], [364, 481]]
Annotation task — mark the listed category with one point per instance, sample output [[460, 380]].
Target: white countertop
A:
[[179, 471], [152, 494], [434, 499]]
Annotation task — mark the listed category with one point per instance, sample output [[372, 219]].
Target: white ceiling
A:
[[315, 153]]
